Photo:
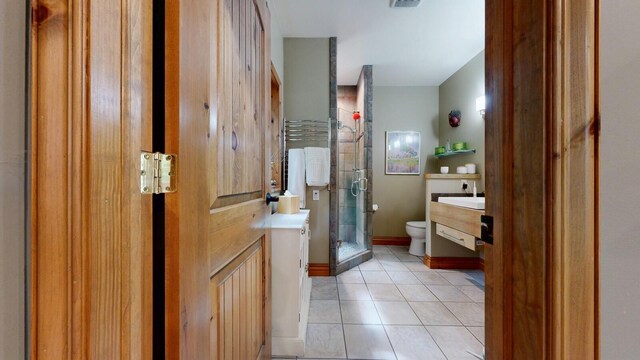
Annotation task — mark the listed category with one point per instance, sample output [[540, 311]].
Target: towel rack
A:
[[298, 134]]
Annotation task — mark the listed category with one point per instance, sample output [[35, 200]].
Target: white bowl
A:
[[461, 170], [444, 170]]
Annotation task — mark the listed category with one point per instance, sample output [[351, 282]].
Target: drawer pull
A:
[[451, 237]]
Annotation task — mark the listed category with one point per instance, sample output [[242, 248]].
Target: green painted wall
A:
[[459, 92], [306, 97], [12, 179], [401, 197]]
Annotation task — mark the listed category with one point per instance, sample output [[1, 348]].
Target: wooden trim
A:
[[452, 176], [319, 269], [453, 263], [392, 240]]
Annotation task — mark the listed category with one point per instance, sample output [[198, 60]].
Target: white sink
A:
[[476, 203]]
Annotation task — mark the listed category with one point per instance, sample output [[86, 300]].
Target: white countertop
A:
[[290, 221]]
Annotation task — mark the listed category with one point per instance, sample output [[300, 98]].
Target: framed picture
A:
[[403, 153]]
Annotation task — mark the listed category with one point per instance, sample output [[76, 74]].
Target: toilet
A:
[[418, 232]]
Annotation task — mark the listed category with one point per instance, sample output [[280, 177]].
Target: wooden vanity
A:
[[452, 231], [458, 224]]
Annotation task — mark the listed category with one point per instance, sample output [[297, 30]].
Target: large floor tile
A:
[[448, 293], [320, 280], [469, 314], [324, 312], [379, 249], [325, 341], [385, 257], [459, 278], [478, 332], [416, 293], [372, 264], [455, 342], [352, 276], [398, 249], [404, 278], [367, 342], [431, 278], [434, 313], [413, 342], [384, 292], [393, 265], [353, 292], [418, 267], [408, 257], [396, 313], [475, 292], [376, 277], [324, 290], [359, 312]]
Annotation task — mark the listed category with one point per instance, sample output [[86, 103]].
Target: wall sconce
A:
[[481, 105]]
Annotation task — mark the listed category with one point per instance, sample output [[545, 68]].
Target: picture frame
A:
[[402, 153]]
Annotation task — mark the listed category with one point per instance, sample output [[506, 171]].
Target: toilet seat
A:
[[417, 224]]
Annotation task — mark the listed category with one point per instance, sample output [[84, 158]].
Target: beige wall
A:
[[306, 97], [277, 42], [401, 197], [12, 179], [619, 187], [459, 92]]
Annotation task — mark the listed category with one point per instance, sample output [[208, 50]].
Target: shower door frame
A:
[[337, 265]]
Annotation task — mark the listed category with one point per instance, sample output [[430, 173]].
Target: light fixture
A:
[[481, 105]]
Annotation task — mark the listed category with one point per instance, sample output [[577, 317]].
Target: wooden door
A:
[[542, 128], [218, 239], [91, 258]]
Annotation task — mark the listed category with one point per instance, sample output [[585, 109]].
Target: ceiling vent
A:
[[404, 3]]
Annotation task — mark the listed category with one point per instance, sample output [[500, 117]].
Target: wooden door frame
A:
[[277, 83], [90, 248], [542, 126]]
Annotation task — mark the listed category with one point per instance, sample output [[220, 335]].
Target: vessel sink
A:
[[476, 203]]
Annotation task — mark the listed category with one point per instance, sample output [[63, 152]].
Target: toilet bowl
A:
[[418, 232]]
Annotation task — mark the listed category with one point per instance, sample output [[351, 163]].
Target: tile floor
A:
[[394, 307]]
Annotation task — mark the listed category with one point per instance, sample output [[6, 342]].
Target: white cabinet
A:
[[291, 285]]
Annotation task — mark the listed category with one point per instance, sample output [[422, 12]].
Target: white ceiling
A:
[[420, 46]]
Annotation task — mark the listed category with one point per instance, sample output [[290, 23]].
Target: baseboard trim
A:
[[454, 263], [319, 269], [392, 240]]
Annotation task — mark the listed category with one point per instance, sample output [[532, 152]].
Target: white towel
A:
[[295, 181], [318, 165]]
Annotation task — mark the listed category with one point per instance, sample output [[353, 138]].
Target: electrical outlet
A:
[[465, 185], [316, 195]]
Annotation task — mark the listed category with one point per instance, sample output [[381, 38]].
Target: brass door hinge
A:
[[158, 173]]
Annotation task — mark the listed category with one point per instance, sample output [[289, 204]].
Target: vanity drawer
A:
[[458, 237]]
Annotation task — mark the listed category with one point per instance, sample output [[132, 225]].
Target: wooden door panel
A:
[[237, 306], [240, 127], [234, 229], [218, 238]]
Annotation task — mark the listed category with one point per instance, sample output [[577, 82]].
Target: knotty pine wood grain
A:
[[210, 223], [91, 238]]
